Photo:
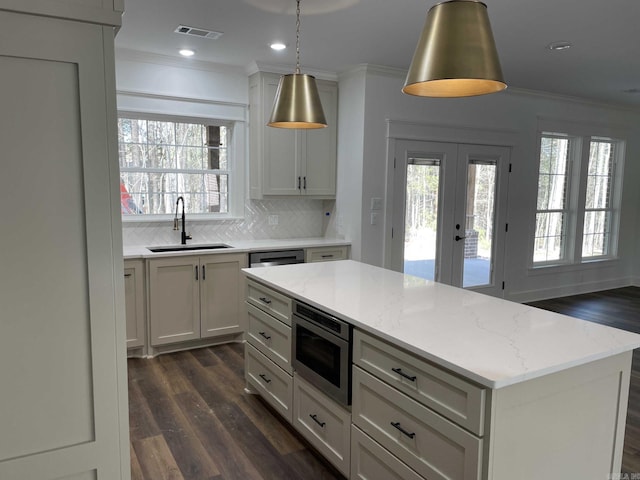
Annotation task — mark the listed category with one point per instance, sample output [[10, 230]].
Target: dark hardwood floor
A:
[[190, 418], [618, 308]]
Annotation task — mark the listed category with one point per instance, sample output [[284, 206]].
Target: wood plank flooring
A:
[[190, 419], [618, 308]]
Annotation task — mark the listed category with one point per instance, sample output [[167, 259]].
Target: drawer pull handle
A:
[[265, 300], [264, 335], [315, 419], [408, 434], [402, 374], [327, 256], [264, 377]]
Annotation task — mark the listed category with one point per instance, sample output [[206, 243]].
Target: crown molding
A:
[[256, 67], [127, 55]]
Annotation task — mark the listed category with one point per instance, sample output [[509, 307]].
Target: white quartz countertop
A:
[[236, 246], [488, 340]]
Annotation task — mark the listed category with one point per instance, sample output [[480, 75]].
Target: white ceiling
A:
[[339, 34]]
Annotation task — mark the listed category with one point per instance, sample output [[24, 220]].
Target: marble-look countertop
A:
[[236, 246], [491, 341]]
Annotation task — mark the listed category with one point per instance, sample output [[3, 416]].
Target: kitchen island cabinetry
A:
[[324, 423], [451, 384], [269, 372], [291, 162], [134, 299], [268, 367], [195, 297]]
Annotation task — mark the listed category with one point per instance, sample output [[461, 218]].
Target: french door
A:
[[449, 213]]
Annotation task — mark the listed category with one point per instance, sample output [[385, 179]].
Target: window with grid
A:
[[576, 215], [553, 205], [161, 160], [598, 209]]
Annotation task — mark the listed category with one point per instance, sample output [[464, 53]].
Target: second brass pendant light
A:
[[297, 102], [456, 55]]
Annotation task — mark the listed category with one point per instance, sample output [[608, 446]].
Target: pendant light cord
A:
[[297, 37]]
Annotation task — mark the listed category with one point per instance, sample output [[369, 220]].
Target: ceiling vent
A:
[[198, 32]]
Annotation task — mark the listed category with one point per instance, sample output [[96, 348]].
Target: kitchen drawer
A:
[[323, 423], [428, 443], [326, 254], [270, 336], [369, 461], [274, 384], [452, 397], [270, 301]]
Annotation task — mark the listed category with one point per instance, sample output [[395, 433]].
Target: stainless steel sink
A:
[[183, 248]]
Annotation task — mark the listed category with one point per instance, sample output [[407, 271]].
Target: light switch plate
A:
[[376, 203]]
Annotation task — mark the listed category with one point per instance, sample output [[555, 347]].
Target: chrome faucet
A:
[[183, 236]]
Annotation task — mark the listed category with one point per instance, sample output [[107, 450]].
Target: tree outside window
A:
[[161, 160]]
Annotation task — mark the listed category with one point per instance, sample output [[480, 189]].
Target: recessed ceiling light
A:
[[187, 52], [277, 46], [559, 45]]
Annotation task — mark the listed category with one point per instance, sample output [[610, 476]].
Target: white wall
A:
[[517, 113], [351, 113]]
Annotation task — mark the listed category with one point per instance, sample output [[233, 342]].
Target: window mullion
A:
[[579, 185]]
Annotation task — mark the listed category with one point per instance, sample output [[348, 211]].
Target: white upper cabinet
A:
[[291, 162], [101, 12]]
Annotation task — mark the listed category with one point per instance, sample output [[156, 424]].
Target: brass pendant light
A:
[[456, 55], [297, 103]]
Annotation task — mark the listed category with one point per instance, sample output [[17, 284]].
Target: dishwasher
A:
[[276, 257]]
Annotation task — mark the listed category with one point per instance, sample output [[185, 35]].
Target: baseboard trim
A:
[[575, 289]]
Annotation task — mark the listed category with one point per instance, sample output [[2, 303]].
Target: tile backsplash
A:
[[296, 218]]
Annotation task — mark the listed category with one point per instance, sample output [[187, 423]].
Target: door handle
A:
[[458, 238]]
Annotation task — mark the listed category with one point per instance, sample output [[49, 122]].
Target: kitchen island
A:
[[502, 390]]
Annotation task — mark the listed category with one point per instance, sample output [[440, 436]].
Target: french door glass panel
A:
[[479, 223], [421, 217]]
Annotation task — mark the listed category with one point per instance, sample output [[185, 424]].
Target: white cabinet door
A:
[[222, 294], [63, 372], [320, 152], [325, 424], [281, 167], [289, 161], [174, 300], [134, 302]]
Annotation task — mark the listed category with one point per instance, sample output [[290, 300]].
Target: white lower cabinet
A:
[[134, 298], [271, 337], [369, 461], [428, 443], [193, 297], [274, 384], [326, 254], [325, 424]]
